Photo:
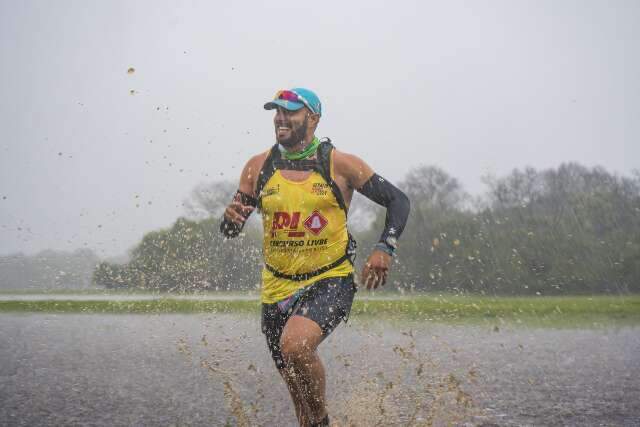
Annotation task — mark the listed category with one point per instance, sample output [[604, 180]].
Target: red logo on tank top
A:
[[315, 223], [288, 221]]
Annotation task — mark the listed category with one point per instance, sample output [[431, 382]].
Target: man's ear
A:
[[314, 119]]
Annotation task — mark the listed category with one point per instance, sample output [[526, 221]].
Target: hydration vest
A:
[[322, 165]]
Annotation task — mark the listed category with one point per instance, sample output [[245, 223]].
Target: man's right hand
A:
[[375, 270], [236, 212]]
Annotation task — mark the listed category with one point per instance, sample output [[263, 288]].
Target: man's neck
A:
[[300, 145]]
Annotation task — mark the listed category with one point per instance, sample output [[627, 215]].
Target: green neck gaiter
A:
[[309, 151]]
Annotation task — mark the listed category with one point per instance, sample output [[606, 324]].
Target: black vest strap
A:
[[309, 275], [267, 171], [323, 167]]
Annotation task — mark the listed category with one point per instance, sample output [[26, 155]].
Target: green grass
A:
[[127, 292], [544, 311], [541, 311], [159, 306]]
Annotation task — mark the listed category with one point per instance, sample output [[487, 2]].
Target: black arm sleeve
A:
[[391, 197], [230, 228]]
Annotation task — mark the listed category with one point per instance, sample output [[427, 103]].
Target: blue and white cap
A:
[[294, 99]]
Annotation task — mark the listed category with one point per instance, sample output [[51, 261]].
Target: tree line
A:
[[565, 230], [48, 270]]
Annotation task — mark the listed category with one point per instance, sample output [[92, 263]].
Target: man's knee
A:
[[296, 350], [299, 340]]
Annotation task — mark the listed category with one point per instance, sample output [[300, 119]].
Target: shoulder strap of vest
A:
[[323, 167], [267, 171]]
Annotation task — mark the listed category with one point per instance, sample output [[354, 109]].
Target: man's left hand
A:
[[375, 270]]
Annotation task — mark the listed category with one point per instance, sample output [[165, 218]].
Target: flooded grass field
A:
[[540, 311], [213, 369]]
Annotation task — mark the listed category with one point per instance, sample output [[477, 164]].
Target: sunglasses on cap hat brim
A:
[[289, 100]]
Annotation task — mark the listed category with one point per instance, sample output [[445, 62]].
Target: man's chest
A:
[[281, 193], [320, 189]]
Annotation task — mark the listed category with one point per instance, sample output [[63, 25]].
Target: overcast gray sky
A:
[[475, 87]]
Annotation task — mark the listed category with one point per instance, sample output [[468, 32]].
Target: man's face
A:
[[291, 126]]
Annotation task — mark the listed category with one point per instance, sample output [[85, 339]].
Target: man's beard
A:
[[297, 136]]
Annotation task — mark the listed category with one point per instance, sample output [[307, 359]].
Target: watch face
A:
[[392, 241]]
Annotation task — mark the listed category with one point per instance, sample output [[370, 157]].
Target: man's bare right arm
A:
[[245, 200]]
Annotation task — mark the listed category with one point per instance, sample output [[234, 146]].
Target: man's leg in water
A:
[[296, 396], [304, 370]]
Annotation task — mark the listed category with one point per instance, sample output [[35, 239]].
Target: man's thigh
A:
[[328, 303]]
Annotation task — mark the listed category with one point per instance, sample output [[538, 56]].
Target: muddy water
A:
[[112, 370]]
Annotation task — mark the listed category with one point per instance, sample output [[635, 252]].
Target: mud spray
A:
[[374, 379]]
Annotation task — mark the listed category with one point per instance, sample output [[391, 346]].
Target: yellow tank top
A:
[[304, 229]]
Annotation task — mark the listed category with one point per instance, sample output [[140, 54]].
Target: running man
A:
[[302, 187]]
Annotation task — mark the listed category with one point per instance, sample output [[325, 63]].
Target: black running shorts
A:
[[327, 302]]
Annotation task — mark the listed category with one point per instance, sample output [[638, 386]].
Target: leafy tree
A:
[[571, 229]]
